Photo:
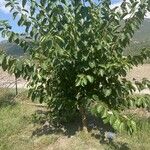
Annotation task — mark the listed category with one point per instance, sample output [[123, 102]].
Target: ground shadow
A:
[[96, 127], [7, 99], [67, 129]]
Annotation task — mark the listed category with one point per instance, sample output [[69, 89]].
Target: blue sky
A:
[[5, 15]]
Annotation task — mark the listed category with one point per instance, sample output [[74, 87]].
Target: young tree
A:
[[76, 63]]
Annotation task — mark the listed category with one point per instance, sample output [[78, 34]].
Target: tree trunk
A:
[[83, 119]]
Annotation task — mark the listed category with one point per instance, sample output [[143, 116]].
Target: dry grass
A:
[[16, 125], [18, 132]]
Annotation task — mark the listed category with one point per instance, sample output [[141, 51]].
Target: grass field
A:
[[18, 131]]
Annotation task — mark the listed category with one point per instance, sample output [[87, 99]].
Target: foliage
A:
[[76, 61]]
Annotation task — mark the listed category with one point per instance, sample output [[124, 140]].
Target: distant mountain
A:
[[140, 40], [11, 48], [144, 33]]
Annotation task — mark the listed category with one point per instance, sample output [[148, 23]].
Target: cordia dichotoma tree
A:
[[75, 58]]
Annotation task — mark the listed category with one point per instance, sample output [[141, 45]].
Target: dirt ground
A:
[[142, 71], [8, 81]]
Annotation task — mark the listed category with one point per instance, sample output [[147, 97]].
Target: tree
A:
[[76, 63]]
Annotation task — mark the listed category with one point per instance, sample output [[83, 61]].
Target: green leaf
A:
[[112, 119], [63, 1], [99, 109], [101, 72], [107, 92], [4, 63], [106, 120], [21, 20], [122, 126], [90, 78], [19, 66], [8, 4], [84, 81], [131, 103], [117, 124], [43, 2], [78, 82], [24, 2], [92, 64], [15, 14], [104, 113], [95, 97]]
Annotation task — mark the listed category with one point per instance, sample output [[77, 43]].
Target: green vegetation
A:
[[76, 63], [19, 132], [138, 141], [16, 125], [141, 39]]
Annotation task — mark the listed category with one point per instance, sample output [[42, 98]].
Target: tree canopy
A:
[[76, 63]]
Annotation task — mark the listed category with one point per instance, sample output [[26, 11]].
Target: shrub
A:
[[76, 61]]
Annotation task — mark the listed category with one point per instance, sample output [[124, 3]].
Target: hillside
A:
[[11, 48], [144, 33], [140, 40]]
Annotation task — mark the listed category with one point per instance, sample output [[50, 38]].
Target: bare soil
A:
[[142, 71], [138, 73], [9, 81]]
